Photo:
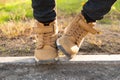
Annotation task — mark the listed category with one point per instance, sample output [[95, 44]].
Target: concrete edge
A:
[[94, 59]]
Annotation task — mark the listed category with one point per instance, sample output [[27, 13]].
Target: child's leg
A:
[[95, 9], [43, 10]]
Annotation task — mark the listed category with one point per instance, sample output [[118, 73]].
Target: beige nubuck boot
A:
[[46, 35], [74, 35]]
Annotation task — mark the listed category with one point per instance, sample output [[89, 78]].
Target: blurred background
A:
[[16, 22], [21, 9]]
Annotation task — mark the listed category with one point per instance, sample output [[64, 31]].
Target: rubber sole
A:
[[46, 61], [60, 47]]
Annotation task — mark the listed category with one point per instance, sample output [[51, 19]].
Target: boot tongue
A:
[[46, 24]]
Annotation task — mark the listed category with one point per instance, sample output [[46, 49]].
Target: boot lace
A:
[[46, 39], [78, 34]]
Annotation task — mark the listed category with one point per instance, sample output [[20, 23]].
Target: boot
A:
[[46, 50], [74, 35]]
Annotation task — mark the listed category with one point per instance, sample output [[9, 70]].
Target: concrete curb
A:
[[98, 59]]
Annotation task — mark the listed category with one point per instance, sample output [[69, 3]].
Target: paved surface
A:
[[64, 70]]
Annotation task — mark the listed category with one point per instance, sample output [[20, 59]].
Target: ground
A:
[[108, 42], [65, 71]]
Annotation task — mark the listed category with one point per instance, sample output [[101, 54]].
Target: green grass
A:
[[15, 11], [70, 6], [116, 6], [21, 9]]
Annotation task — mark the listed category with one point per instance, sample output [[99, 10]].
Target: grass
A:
[[14, 13], [71, 6], [16, 29]]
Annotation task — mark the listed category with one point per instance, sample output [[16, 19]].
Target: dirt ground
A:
[[108, 42]]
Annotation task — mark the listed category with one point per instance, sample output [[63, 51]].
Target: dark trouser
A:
[[93, 10], [43, 10]]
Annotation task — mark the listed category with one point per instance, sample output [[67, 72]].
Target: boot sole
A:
[[60, 47], [46, 61]]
